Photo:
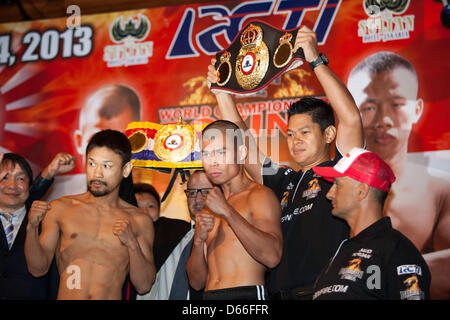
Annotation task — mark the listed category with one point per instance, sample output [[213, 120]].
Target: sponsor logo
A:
[[413, 291], [297, 211], [386, 21], [353, 271], [331, 289], [128, 50], [188, 41], [409, 269], [363, 253], [284, 200], [313, 189]]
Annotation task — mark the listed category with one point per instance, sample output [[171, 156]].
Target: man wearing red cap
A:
[[377, 262]]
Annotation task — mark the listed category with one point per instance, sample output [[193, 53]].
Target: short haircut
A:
[[319, 110], [113, 140], [147, 188], [16, 159], [383, 61], [379, 195], [224, 127], [117, 98]]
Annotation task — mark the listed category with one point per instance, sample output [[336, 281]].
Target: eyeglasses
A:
[[192, 193]]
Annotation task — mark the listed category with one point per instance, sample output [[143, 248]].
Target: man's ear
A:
[[418, 110], [362, 191], [127, 169], [330, 133], [78, 137], [242, 154]]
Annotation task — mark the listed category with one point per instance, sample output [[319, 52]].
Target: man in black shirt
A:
[[377, 262], [310, 233]]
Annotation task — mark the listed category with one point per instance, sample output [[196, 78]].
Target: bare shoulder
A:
[[262, 199], [260, 192], [63, 203], [135, 213], [430, 179]]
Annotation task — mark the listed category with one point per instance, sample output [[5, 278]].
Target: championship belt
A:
[[257, 55], [165, 146]]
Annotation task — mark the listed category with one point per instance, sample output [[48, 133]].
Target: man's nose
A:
[[98, 171], [331, 193], [384, 117], [11, 183]]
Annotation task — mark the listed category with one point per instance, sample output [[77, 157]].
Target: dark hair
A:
[[379, 195], [147, 188], [224, 126], [114, 140], [14, 159], [118, 97], [383, 61], [319, 110]]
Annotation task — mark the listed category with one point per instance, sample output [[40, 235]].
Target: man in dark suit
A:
[[18, 190]]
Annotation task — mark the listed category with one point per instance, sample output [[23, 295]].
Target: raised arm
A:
[[61, 163], [40, 249], [228, 111], [261, 237], [350, 132]]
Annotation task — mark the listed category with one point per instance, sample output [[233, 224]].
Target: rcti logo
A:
[[127, 34], [230, 21], [385, 21]]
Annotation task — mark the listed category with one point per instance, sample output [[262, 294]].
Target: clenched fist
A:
[[61, 163], [307, 40], [215, 200], [37, 212], [123, 230], [204, 222]]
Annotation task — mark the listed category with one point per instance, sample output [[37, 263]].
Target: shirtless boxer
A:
[[385, 88], [98, 238], [240, 237]]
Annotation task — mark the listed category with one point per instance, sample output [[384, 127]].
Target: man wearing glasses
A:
[[171, 280]]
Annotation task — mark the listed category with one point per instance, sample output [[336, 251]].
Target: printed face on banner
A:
[[111, 107], [389, 107]]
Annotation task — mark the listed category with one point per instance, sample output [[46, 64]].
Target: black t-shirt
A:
[[378, 263], [311, 234]]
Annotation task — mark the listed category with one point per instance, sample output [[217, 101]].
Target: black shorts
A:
[[237, 293]]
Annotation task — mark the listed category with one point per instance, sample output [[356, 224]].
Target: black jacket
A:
[[16, 283]]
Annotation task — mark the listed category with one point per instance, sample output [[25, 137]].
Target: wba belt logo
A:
[[127, 35]]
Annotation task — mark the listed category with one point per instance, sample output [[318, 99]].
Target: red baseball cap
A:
[[363, 166]]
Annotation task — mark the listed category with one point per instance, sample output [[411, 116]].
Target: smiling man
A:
[[98, 238], [310, 233], [18, 190]]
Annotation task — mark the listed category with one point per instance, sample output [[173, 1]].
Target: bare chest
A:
[[413, 212], [222, 233], [90, 234]]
